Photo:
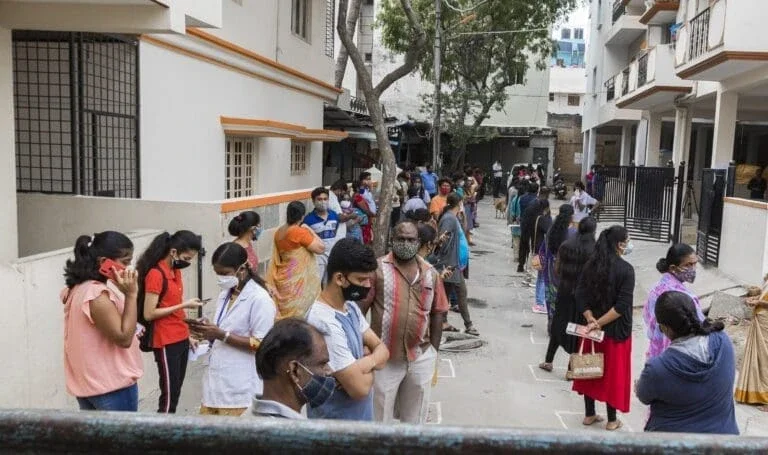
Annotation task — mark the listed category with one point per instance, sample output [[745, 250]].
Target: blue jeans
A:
[[126, 399], [540, 289]]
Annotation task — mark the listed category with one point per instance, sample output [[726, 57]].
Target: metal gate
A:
[[641, 198], [713, 190]]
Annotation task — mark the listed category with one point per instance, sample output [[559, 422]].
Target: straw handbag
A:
[[587, 366]]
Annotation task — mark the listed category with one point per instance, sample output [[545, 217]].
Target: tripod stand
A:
[[688, 196]]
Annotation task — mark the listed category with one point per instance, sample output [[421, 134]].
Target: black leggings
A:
[[551, 350], [589, 409], [172, 367]]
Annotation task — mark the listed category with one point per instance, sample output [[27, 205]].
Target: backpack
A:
[[145, 341]]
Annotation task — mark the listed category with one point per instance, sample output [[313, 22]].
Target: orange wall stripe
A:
[[217, 62], [262, 201], [258, 57]]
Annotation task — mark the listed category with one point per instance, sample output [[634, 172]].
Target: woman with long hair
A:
[[102, 361], [162, 305], [605, 293], [752, 387], [690, 385], [677, 268], [571, 258], [293, 272], [562, 229], [535, 225], [244, 314], [246, 229]]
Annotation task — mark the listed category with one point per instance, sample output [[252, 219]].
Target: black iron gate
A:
[[715, 185], [642, 198]]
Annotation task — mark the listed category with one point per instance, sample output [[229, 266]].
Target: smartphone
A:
[[206, 300], [108, 265]]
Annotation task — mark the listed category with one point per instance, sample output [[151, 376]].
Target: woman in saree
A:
[[359, 202], [293, 276], [752, 384]]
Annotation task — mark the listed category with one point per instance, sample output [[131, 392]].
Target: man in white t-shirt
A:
[[498, 173], [582, 202], [335, 313]]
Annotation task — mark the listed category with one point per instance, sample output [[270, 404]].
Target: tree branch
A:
[[343, 57], [411, 55]]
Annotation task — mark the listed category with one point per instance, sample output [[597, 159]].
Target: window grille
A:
[[300, 18], [574, 100], [76, 113], [240, 166], [330, 11], [299, 158]]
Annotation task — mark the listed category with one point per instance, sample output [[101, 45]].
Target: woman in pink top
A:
[[102, 360], [246, 228]]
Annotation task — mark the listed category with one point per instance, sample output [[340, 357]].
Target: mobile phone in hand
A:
[[106, 268], [206, 300]]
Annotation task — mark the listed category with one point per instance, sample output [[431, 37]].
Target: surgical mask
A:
[[354, 292], [345, 204], [257, 233], [628, 248], [180, 264], [227, 282], [686, 275], [405, 251], [321, 206], [318, 390]]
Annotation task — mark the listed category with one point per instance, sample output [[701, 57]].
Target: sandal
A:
[[613, 426], [591, 420], [450, 328], [472, 331], [546, 366]]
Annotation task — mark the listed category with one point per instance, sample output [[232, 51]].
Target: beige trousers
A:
[[401, 389]]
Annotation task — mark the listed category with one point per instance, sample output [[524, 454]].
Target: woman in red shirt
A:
[[160, 273]]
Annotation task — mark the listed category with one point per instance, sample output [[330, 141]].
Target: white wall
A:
[[526, 104], [744, 229], [182, 141], [564, 82], [8, 229]]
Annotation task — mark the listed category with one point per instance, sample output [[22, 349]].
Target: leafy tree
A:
[[412, 26], [487, 48]]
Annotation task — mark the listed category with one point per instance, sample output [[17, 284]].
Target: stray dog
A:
[[501, 208]]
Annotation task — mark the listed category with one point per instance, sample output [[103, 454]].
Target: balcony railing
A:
[[699, 35], [642, 70], [618, 9], [359, 106], [625, 81], [610, 88]]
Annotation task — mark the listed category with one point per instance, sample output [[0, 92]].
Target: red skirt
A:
[[614, 387]]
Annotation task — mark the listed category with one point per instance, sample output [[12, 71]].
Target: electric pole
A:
[[436, 164]]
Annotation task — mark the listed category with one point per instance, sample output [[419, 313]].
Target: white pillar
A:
[[682, 141], [626, 143], [653, 143], [725, 128], [9, 232], [640, 141], [590, 145]]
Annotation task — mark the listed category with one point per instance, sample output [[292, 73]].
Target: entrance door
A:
[[541, 157], [710, 216]]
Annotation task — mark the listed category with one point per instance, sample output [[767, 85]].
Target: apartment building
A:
[[142, 116], [685, 81]]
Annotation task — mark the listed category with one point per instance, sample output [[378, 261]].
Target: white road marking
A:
[[534, 341], [533, 373], [450, 365], [560, 414], [438, 412]]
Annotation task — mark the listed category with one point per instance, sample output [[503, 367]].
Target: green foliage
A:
[[477, 69]]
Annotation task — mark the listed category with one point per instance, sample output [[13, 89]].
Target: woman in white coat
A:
[[244, 314]]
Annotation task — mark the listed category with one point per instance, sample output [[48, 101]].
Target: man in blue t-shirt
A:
[[325, 223], [429, 180]]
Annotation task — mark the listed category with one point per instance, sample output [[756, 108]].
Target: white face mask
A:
[[226, 282], [345, 204]]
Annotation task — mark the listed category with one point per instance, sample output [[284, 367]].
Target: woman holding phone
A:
[[244, 315], [102, 361], [163, 291]]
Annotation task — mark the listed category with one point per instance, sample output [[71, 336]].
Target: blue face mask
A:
[[257, 233], [318, 390]]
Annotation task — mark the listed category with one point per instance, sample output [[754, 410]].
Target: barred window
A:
[[241, 167], [300, 19], [299, 158], [574, 100], [330, 34]]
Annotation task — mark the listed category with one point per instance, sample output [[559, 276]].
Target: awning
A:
[[271, 128], [367, 135]]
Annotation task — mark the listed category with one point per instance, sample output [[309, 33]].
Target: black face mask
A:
[[355, 292], [180, 264]]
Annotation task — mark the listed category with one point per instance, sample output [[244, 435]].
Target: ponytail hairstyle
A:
[[243, 222], [427, 235], [295, 212], [85, 267], [559, 230], [675, 256], [451, 202], [162, 245], [588, 226], [597, 271], [233, 256], [677, 312]]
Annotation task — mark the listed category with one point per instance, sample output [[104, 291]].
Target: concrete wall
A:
[[8, 229], [182, 140], [745, 228]]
